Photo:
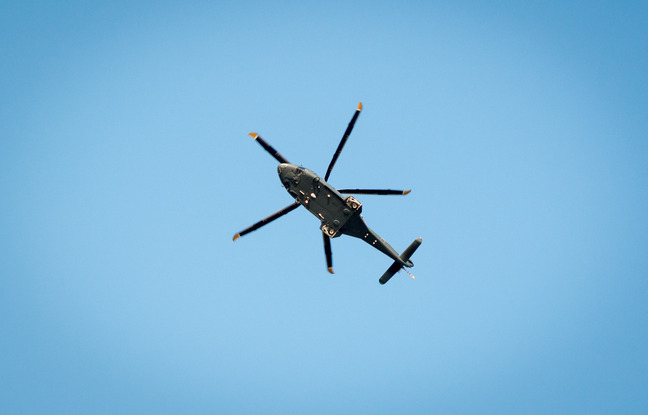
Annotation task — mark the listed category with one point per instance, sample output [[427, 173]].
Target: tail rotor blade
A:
[[268, 148], [267, 220], [328, 253], [345, 137], [374, 191]]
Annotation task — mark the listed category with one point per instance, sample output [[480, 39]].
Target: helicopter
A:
[[339, 215]]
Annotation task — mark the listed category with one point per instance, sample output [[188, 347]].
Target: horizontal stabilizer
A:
[[405, 256]]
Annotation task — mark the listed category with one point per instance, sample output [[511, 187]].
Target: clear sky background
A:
[[126, 168]]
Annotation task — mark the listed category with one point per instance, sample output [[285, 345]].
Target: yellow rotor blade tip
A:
[[407, 191], [238, 235], [253, 135], [359, 106], [331, 270]]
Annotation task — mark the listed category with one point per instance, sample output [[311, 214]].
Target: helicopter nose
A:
[[284, 170]]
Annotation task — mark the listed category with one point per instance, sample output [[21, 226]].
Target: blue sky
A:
[[125, 169]]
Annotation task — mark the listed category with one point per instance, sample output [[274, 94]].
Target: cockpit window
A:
[[299, 170]]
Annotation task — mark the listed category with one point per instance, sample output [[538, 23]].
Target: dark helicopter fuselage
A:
[[338, 214]]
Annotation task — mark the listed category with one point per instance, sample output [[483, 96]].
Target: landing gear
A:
[[353, 203], [329, 231]]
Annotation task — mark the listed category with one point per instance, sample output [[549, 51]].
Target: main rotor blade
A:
[[345, 137], [328, 252], [268, 148], [266, 220], [374, 191]]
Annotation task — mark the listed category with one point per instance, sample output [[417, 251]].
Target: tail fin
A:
[[405, 256]]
